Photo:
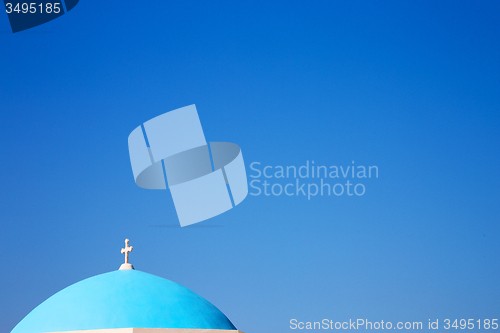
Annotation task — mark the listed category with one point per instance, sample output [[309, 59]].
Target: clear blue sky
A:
[[410, 86]]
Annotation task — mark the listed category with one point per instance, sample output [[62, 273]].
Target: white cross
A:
[[127, 250]]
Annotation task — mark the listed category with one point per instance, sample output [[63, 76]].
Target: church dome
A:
[[123, 299]]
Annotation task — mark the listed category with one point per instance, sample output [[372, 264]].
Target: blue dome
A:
[[122, 299]]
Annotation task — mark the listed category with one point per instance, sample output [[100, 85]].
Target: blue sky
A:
[[412, 87]]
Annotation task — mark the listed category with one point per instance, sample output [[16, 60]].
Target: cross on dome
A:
[[126, 251]]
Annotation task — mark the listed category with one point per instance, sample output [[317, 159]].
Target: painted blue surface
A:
[[123, 299]]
